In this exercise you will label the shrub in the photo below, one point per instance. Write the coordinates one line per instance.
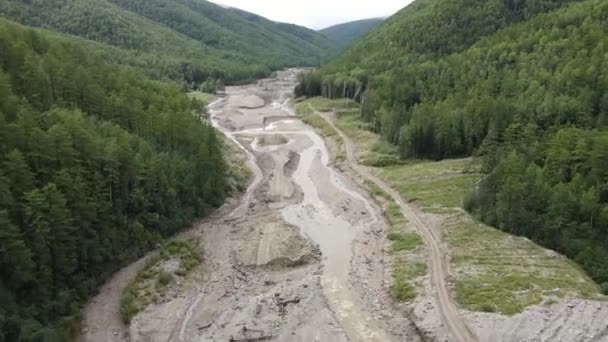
(164, 278)
(605, 288)
(128, 304)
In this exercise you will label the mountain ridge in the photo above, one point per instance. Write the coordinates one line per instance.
(192, 39)
(346, 33)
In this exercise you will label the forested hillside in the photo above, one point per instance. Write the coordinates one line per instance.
(178, 39)
(522, 84)
(345, 34)
(97, 165)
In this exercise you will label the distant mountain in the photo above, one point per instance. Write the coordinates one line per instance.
(190, 39)
(346, 33)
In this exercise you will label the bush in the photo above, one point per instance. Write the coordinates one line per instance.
(394, 236)
(487, 307)
(128, 304)
(164, 278)
(605, 288)
(405, 242)
(469, 203)
(403, 290)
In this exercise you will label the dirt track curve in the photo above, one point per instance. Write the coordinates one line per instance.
(457, 327)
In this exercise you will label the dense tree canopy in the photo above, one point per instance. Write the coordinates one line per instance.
(524, 84)
(347, 33)
(97, 164)
(178, 39)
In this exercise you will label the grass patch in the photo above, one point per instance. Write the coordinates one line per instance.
(392, 211)
(308, 115)
(151, 283)
(394, 215)
(372, 150)
(507, 273)
(435, 186)
(404, 241)
(376, 190)
(494, 271)
(323, 104)
(203, 97)
(404, 276)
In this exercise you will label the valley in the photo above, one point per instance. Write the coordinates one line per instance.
(303, 234)
(296, 257)
(185, 170)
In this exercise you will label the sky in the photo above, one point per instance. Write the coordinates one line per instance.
(318, 14)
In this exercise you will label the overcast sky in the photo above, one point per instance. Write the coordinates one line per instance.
(318, 14)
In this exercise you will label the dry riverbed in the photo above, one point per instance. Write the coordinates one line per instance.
(300, 257)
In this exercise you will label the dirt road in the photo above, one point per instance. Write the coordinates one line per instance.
(438, 265)
(300, 258)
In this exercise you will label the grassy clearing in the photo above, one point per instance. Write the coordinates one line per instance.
(438, 187)
(151, 284)
(372, 150)
(308, 115)
(326, 105)
(494, 271)
(501, 273)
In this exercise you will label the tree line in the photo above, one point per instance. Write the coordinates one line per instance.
(97, 165)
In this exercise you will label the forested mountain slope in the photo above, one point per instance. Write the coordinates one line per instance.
(97, 165)
(345, 34)
(191, 39)
(522, 84)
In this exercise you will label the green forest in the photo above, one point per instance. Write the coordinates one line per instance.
(98, 164)
(181, 40)
(522, 84)
(346, 34)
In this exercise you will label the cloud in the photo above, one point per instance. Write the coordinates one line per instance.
(318, 14)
